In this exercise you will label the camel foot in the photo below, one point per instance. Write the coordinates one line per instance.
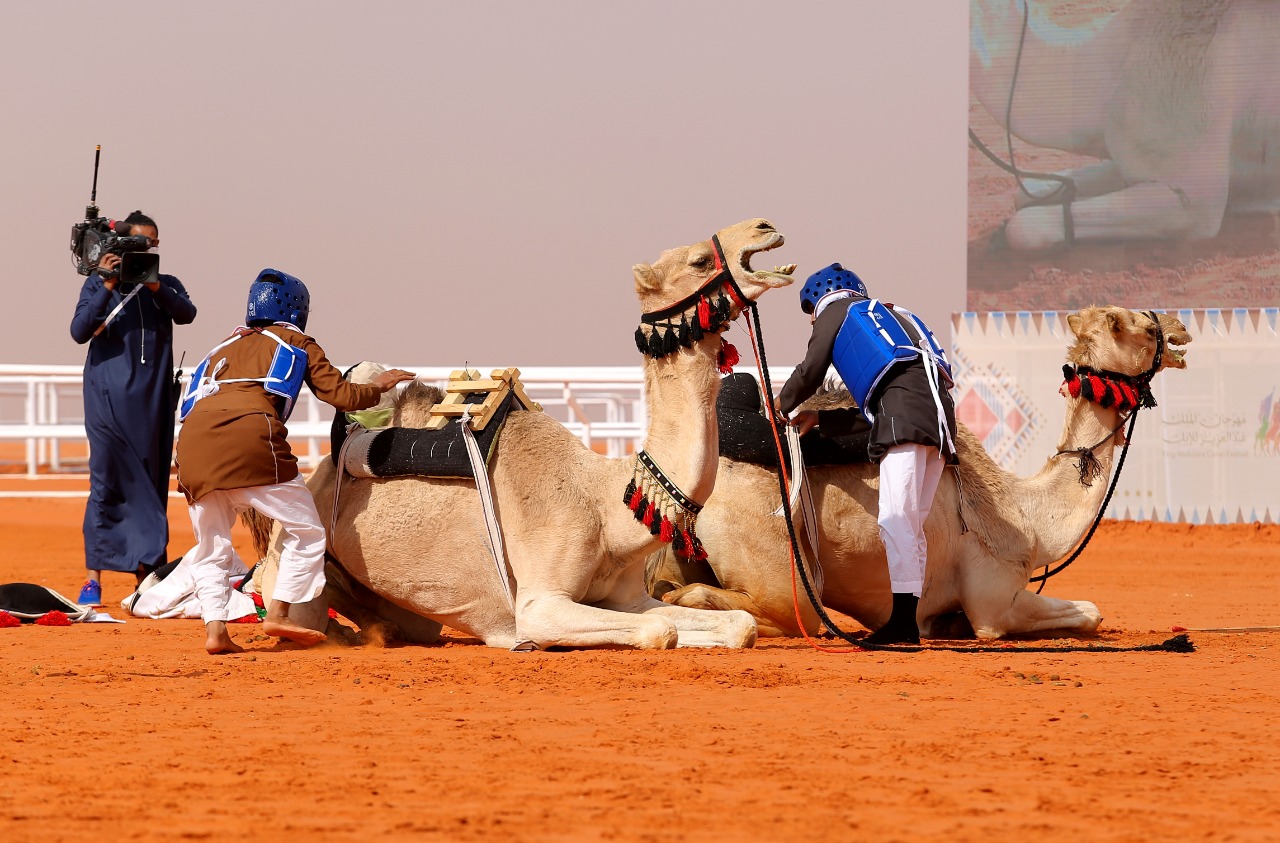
(292, 632)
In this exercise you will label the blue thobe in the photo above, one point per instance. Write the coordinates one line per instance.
(129, 416)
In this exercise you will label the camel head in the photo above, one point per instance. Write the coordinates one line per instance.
(1114, 339)
(680, 273)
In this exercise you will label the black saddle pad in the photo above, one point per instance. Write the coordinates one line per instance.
(745, 434)
(413, 452)
(29, 601)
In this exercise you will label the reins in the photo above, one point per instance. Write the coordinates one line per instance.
(1116, 387)
(1066, 191)
(1177, 644)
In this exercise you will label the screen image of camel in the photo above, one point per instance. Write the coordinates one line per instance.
(1144, 137)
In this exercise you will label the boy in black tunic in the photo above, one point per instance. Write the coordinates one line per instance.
(912, 422)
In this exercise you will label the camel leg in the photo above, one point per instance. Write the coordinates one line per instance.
(701, 596)
(1093, 180)
(554, 620)
(699, 627)
(1149, 210)
(1029, 612)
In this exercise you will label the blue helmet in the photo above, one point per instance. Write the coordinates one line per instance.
(278, 297)
(828, 280)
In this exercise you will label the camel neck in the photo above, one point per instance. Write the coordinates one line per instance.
(682, 437)
(1058, 504)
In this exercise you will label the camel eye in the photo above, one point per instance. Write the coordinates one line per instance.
(699, 261)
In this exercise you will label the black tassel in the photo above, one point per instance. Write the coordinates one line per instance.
(656, 526)
(685, 339)
(695, 330)
(631, 490)
(655, 343)
(644, 504)
(722, 308)
(669, 341)
(677, 541)
(641, 343)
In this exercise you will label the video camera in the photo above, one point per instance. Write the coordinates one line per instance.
(98, 236)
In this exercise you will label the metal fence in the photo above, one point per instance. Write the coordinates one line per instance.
(42, 407)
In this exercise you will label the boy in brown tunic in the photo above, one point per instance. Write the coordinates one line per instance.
(233, 453)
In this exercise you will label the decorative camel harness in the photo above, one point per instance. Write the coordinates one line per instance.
(1127, 394)
(656, 501)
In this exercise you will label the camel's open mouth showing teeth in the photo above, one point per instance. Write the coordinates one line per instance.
(780, 274)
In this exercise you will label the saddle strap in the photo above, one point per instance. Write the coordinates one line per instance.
(492, 528)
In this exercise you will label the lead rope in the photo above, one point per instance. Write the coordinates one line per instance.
(1177, 644)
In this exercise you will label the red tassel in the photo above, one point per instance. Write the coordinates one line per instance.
(54, 618)
(668, 531)
(729, 358)
(636, 497)
(688, 542)
(1096, 388)
(1073, 387)
(648, 517)
(704, 314)
(8, 621)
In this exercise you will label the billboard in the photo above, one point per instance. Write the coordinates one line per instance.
(1123, 152)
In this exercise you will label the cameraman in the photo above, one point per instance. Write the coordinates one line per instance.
(129, 401)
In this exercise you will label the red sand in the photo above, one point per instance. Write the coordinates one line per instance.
(132, 732)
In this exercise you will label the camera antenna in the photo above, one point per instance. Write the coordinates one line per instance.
(91, 211)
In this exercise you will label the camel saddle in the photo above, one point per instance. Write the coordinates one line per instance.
(745, 434)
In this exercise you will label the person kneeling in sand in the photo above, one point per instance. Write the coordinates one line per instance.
(233, 454)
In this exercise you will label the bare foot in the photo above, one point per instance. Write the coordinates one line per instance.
(283, 628)
(219, 640)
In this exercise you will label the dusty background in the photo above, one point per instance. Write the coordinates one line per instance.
(131, 732)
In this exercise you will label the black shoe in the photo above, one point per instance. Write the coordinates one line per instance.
(901, 627)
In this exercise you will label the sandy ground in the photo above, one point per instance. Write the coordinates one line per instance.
(131, 732)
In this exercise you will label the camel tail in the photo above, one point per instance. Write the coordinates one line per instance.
(259, 529)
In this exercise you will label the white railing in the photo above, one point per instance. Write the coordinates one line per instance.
(42, 406)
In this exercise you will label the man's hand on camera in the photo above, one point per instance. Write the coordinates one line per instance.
(109, 263)
(391, 377)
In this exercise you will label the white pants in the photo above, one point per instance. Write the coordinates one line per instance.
(909, 476)
(301, 576)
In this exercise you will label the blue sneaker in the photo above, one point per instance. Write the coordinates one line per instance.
(90, 593)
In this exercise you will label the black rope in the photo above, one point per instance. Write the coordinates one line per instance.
(1177, 644)
(1066, 191)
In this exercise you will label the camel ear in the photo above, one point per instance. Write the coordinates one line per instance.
(1073, 322)
(646, 279)
(1115, 323)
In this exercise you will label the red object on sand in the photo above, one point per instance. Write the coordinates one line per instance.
(246, 619)
(53, 618)
(8, 621)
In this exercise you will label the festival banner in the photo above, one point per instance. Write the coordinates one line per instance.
(1208, 453)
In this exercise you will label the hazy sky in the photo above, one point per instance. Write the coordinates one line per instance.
(474, 180)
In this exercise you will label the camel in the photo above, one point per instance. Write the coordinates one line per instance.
(576, 552)
(1177, 97)
(988, 531)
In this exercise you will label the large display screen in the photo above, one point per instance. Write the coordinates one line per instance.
(1145, 136)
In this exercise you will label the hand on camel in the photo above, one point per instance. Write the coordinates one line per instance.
(805, 420)
(391, 377)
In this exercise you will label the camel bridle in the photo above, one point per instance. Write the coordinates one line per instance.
(1107, 389)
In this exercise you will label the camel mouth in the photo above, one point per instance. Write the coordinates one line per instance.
(1175, 335)
(780, 276)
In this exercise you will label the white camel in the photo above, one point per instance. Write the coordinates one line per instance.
(576, 552)
(987, 533)
(1178, 97)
